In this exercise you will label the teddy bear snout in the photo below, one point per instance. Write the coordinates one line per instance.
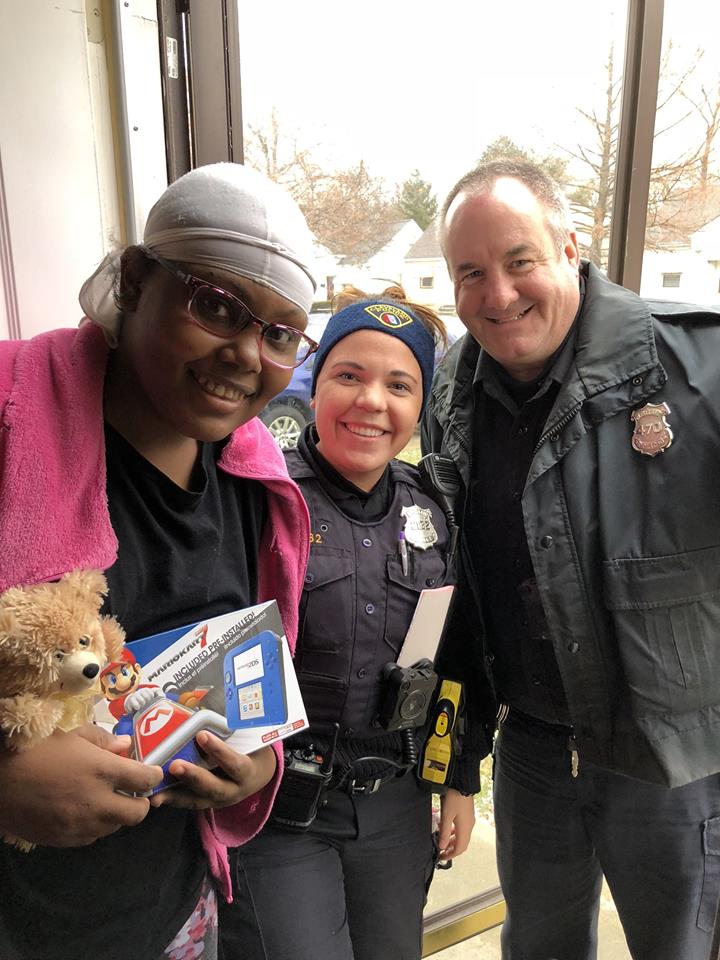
(79, 672)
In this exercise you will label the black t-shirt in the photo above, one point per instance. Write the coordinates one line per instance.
(183, 556)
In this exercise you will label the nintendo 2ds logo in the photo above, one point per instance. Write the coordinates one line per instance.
(248, 665)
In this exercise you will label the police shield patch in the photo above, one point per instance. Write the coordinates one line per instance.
(389, 315)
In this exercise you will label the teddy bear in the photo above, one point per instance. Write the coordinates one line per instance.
(53, 645)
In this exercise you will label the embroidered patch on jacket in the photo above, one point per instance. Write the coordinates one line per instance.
(389, 315)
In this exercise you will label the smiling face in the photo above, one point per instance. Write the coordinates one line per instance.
(367, 402)
(515, 294)
(119, 680)
(171, 379)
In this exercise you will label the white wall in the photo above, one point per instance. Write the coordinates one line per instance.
(387, 264)
(441, 293)
(699, 281)
(57, 147)
(50, 164)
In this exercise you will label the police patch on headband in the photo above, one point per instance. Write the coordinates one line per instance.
(389, 315)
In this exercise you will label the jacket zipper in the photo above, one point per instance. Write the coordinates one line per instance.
(574, 755)
(554, 432)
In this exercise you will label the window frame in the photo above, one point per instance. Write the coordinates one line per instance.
(641, 77)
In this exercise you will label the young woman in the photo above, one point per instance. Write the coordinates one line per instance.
(352, 885)
(146, 460)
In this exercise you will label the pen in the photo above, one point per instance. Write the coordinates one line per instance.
(402, 546)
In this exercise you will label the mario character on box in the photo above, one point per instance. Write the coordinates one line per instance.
(120, 678)
(162, 728)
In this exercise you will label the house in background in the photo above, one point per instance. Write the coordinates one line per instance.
(425, 276)
(689, 272)
(325, 271)
(382, 265)
(682, 261)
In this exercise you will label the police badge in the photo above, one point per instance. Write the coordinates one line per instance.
(419, 530)
(652, 433)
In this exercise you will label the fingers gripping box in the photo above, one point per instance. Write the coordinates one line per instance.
(231, 675)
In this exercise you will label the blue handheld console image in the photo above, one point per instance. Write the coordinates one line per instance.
(254, 683)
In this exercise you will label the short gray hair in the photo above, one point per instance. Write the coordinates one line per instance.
(548, 193)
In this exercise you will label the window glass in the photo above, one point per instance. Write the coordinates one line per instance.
(682, 239)
(369, 114)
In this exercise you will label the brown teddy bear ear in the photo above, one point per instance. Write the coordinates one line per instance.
(87, 582)
(114, 637)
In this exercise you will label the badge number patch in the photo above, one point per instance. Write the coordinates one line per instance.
(652, 433)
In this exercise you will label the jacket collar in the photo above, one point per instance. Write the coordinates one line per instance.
(615, 340)
(615, 364)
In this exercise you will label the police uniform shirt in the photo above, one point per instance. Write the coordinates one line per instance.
(362, 505)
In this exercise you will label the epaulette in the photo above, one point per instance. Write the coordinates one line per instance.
(692, 313)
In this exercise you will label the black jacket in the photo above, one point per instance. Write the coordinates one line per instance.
(625, 546)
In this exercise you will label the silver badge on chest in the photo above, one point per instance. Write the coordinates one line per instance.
(419, 530)
(652, 433)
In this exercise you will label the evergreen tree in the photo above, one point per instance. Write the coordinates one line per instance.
(506, 149)
(416, 200)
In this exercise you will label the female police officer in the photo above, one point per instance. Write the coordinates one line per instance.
(351, 885)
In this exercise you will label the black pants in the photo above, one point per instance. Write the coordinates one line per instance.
(352, 887)
(557, 834)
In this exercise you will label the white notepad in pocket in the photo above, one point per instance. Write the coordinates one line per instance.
(423, 637)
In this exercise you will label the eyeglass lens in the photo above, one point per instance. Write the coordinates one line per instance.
(225, 316)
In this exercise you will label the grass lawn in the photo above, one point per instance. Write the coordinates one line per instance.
(411, 453)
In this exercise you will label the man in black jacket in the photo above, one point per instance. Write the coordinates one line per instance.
(584, 422)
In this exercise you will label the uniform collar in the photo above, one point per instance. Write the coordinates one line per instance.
(612, 341)
(350, 499)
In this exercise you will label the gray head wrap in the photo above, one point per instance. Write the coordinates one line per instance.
(223, 216)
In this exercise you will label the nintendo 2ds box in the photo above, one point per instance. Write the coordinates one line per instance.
(231, 675)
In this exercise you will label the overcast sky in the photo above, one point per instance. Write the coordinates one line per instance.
(404, 84)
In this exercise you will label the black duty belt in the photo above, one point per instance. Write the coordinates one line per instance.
(372, 785)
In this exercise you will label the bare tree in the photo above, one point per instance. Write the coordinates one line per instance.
(348, 210)
(673, 209)
(592, 199)
(276, 154)
(707, 106)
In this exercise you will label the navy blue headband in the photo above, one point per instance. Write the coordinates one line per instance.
(383, 316)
